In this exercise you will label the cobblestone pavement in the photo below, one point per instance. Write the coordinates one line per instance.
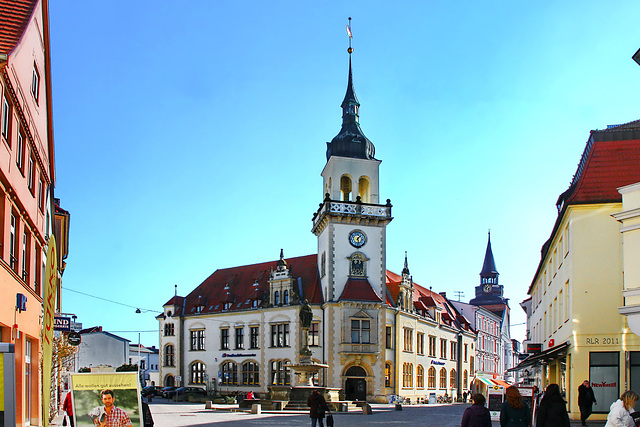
(167, 413)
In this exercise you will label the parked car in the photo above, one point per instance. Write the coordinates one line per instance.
(168, 390)
(151, 390)
(185, 392)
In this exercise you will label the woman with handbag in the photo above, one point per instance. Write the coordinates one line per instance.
(317, 408)
(67, 406)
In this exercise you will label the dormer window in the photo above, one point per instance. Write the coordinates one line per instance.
(226, 306)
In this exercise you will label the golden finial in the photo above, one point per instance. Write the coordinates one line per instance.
(350, 50)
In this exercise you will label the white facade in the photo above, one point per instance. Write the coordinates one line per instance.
(102, 349)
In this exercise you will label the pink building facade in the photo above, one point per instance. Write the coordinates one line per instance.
(26, 191)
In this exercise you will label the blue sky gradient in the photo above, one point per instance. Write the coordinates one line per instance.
(190, 136)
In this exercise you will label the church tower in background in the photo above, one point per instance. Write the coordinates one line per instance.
(489, 293)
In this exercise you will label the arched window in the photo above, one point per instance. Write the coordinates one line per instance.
(345, 188)
(431, 377)
(452, 379)
(229, 373)
(387, 374)
(443, 378)
(285, 297)
(250, 373)
(169, 355)
(197, 371)
(420, 377)
(357, 267)
(363, 189)
(276, 298)
(471, 365)
(407, 375)
(465, 379)
(280, 374)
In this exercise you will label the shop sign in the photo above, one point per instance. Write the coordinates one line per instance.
(437, 362)
(61, 323)
(238, 355)
(534, 347)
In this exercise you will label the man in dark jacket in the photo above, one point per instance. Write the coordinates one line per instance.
(476, 415)
(586, 399)
(317, 408)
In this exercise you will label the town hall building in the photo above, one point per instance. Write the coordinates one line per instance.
(380, 333)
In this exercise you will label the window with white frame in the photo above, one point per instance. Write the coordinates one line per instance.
(360, 331)
(280, 335)
(35, 83)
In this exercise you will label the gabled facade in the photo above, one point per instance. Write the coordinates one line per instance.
(380, 333)
(101, 348)
(578, 286)
(27, 178)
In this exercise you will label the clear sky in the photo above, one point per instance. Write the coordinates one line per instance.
(190, 136)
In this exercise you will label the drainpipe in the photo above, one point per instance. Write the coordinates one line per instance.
(396, 353)
(459, 367)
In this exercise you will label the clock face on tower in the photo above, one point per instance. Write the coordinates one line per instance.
(487, 288)
(357, 239)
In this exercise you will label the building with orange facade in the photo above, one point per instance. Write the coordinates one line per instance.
(27, 213)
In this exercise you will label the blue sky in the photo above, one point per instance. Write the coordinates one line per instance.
(190, 136)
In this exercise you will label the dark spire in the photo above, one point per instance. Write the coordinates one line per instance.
(350, 142)
(405, 270)
(489, 270)
(281, 262)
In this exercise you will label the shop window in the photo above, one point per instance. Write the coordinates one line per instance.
(604, 375)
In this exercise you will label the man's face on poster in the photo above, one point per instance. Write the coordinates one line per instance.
(107, 399)
(586, 383)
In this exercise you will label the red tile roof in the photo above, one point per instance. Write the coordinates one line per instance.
(359, 290)
(236, 285)
(14, 17)
(610, 160)
(424, 298)
(176, 300)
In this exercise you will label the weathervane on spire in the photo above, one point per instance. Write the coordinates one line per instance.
(350, 36)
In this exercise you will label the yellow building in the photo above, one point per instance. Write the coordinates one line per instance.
(577, 288)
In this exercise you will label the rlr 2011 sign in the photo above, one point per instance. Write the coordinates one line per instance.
(62, 323)
(602, 340)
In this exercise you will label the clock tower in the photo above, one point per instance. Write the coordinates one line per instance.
(350, 223)
(489, 293)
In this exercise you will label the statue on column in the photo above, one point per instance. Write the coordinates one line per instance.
(306, 315)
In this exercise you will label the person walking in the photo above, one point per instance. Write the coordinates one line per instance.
(476, 415)
(586, 399)
(553, 409)
(620, 410)
(318, 407)
(514, 412)
(67, 406)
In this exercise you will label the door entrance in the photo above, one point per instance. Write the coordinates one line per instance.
(355, 387)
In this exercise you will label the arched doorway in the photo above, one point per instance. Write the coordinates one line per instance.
(169, 381)
(355, 387)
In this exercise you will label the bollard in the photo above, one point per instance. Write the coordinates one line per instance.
(208, 404)
(398, 407)
(256, 408)
(366, 409)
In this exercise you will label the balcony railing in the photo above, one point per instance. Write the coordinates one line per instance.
(335, 207)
